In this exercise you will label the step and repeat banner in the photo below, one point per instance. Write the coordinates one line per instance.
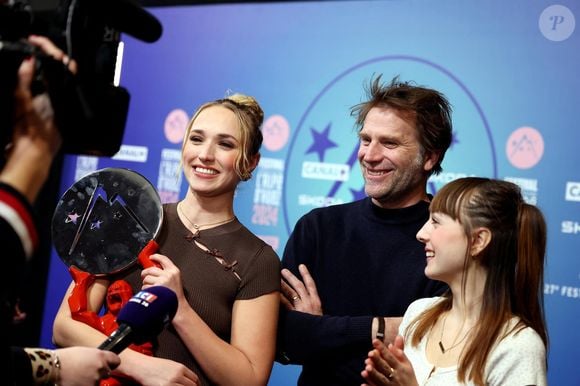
(510, 70)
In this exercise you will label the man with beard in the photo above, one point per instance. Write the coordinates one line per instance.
(351, 270)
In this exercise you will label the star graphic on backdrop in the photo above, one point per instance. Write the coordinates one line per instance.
(96, 224)
(358, 194)
(72, 217)
(431, 188)
(321, 142)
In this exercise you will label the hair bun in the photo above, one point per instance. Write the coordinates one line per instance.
(251, 105)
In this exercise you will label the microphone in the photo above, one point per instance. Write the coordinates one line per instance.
(143, 317)
(129, 17)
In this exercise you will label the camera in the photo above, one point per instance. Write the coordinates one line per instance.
(90, 110)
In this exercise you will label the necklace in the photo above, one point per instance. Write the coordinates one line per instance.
(454, 344)
(197, 227)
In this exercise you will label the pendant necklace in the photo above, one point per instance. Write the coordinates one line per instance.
(197, 227)
(210, 252)
(454, 344)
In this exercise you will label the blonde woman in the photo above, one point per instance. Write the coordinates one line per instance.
(226, 279)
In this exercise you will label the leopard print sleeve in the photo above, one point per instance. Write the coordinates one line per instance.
(45, 366)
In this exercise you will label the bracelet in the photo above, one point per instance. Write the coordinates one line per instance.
(56, 363)
(381, 329)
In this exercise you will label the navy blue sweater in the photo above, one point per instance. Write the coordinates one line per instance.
(366, 262)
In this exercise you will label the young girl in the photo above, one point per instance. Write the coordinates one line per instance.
(226, 279)
(488, 245)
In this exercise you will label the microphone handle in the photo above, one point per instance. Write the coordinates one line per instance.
(119, 340)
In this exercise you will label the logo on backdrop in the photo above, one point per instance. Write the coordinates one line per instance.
(276, 131)
(557, 23)
(269, 178)
(443, 178)
(175, 125)
(321, 162)
(169, 177)
(525, 147)
(528, 186)
(85, 164)
(572, 191)
(325, 171)
(562, 290)
(268, 191)
(132, 153)
(570, 227)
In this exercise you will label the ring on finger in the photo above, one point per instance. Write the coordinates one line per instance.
(391, 374)
(295, 297)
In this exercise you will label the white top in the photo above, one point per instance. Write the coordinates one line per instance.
(518, 360)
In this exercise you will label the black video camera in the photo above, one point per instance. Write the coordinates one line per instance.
(90, 110)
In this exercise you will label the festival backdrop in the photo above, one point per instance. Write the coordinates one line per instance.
(509, 68)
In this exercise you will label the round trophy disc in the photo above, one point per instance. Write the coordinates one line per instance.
(104, 220)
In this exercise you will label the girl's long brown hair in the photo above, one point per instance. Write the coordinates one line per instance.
(514, 259)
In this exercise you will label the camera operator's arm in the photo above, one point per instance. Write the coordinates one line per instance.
(35, 139)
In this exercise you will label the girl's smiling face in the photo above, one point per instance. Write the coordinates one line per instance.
(445, 247)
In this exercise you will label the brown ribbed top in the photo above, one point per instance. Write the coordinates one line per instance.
(211, 286)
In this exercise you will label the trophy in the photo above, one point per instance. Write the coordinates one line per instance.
(103, 224)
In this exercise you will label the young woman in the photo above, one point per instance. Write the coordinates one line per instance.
(488, 245)
(226, 279)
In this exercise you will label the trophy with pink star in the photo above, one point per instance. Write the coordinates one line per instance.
(103, 224)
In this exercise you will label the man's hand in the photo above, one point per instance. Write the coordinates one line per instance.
(300, 296)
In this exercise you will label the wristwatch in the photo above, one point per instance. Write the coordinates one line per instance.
(381, 329)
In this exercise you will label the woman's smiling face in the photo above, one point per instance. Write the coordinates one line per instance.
(210, 152)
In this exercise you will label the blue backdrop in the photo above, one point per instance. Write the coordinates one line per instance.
(510, 70)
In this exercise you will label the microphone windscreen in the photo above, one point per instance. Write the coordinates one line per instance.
(129, 17)
(148, 311)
